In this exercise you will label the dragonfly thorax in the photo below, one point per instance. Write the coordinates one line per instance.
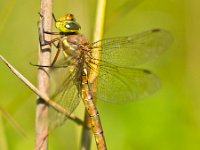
(77, 39)
(75, 46)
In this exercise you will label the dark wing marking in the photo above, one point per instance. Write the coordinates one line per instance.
(133, 50)
(121, 85)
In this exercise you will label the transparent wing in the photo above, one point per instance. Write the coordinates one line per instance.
(65, 91)
(121, 85)
(118, 81)
(133, 50)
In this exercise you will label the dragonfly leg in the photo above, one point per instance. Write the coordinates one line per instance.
(54, 18)
(50, 32)
(55, 57)
(53, 42)
(57, 53)
(40, 32)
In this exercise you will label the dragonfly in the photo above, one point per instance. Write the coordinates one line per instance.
(117, 80)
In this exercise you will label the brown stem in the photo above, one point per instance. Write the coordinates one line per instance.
(43, 79)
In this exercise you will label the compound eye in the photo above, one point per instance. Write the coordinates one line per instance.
(72, 26)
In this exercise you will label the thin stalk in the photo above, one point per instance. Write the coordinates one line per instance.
(100, 19)
(46, 99)
(98, 34)
(3, 141)
(12, 122)
(43, 80)
(86, 134)
(43, 96)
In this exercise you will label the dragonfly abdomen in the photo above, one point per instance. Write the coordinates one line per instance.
(92, 112)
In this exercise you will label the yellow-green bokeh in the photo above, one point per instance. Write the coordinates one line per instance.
(167, 120)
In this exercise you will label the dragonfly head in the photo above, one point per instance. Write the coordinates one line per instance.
(68, 24)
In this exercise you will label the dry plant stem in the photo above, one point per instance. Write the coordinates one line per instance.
(43, 80)
(98, 34)
(42, 95)
(86, 134)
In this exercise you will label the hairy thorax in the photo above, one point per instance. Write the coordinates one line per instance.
(77, 48)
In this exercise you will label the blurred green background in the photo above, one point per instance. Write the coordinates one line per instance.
(167, 120)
